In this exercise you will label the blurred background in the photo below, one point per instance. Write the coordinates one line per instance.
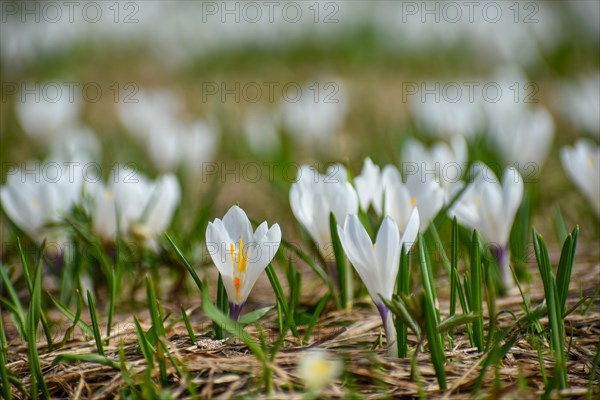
(233, 96)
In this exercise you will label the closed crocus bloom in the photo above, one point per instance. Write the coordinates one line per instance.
(401, 198)
(47, 117)
(369, 187)
(240, 254)
(522, 136)
(444, 162)
(145, 208)
(377, 263)
(490, 208)
(314, 196)
(582, 164)
(34, 200)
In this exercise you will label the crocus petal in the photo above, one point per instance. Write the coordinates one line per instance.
(411, 231)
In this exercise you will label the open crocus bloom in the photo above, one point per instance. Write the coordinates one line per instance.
(377, 263)
(491, 208)
(240, 254)
(314, 196)
(582, 164)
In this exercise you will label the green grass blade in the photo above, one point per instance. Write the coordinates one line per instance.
(340, 262)
(185, 263)
(434, 339)
(559, 226)
(554, 313)
(33, 318)
(188, 326)
(87, 358)
(95, 324)
(476, 302)
(74, 318)
(565, 267)
(145, 347)
(4, 362)
(16, 307)
(315, 315)
(222, 304)
(403, 288)
(254, 316)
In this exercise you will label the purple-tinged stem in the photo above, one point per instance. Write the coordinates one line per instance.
(502, 258)
(235, 310)
(390, 330)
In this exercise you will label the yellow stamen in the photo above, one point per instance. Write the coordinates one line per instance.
(242, 258)
(413, 201)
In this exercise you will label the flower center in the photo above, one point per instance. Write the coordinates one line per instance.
(239, 267)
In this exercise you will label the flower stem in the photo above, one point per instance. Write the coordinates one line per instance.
(502, 258)
(235, 310)
(390, 330)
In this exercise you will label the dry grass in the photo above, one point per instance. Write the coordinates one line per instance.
(225, 369)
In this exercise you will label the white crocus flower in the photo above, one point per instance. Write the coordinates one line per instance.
(145, 207)
(46, 113)
(490, 208)
(317, 368)
(377, 263)
(39, 195)
(240, 254)
(580, 102)
(401, 198)
(522, 136)
(582, 164)
(369, 187)
(314, 196)
(390, 196)
(444, 162)
(315, 117)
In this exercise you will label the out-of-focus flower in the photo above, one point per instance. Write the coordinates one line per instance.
(40, 194)
(240, 254)
(153, 108)
(443, 118)
(261, 129)
(175, 144)
(314, 196)
(522, 136)
(582, 164)
(377, 263)
(47, 113)
(155, 121)
(401, 198)
(490, 208)
(317, 115)
(369, 187)
(317, 369)
(444, 162)
(145, 208)
(521, 133)
(580, 102)
(390, 196)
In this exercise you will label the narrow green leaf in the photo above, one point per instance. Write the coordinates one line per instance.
(254, 316)
(4, 371)
(431, 312)
(554, 313)
(188, 326)
(476, 292)
(145, 347)
(565, 267)
(340, 262)
(74, 318)
(315, 315)
(87, 358)
(95, 325)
